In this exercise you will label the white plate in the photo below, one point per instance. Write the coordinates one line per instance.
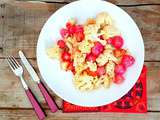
(61, 82)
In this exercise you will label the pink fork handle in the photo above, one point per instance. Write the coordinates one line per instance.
(38, 109)
(51, 103)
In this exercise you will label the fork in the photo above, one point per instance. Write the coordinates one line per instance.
(18, 71)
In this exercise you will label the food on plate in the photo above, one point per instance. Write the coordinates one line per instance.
(93, 52)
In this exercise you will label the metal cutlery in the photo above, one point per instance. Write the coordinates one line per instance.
(50, 101)
(18, 71)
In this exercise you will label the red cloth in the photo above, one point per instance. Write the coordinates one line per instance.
(135, 101)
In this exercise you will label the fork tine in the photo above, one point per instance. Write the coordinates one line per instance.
(15, 61)
(10, 64)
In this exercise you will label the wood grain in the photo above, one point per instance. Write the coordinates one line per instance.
(118, 2)
(148, 20)
(22, 26)
(12, 95)
(29, 114)
(1, 25)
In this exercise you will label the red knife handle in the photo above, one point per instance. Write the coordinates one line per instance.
(50, 101)
(37, 108)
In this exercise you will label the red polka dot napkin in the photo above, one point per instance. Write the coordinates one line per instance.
(135, 101)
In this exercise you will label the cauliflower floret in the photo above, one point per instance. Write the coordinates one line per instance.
(103, 18)
(54, 52)
(94, 38)
(105, 57)
(110, 31)
(85, 46)
(91, 29)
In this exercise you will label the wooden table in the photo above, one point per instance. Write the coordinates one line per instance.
(20, 24)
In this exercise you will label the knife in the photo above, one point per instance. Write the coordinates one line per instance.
(50, 101)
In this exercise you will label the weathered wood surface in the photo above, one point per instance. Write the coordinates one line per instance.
(13, 96)
(30, 115)
(20, 24)
(21, 27)
(118, 2)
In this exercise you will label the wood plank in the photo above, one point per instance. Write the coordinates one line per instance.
(118, 2)
(18, 26)
(12, 95)
(29, 114)
(22, 27)
(1, 25)
(149, 27)
(153, 86)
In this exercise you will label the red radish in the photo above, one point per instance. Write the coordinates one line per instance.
(69, 25)
(118, 79)
(119, 69)
(97, 49)
(78, 28)
(72, 29)
(101, 70)
(79, 36)
(127, 60)
(61, 44)
(117, 41)
(99, 46)
(66, 56)
(90, 57)
(64, 32)
(78, 32)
